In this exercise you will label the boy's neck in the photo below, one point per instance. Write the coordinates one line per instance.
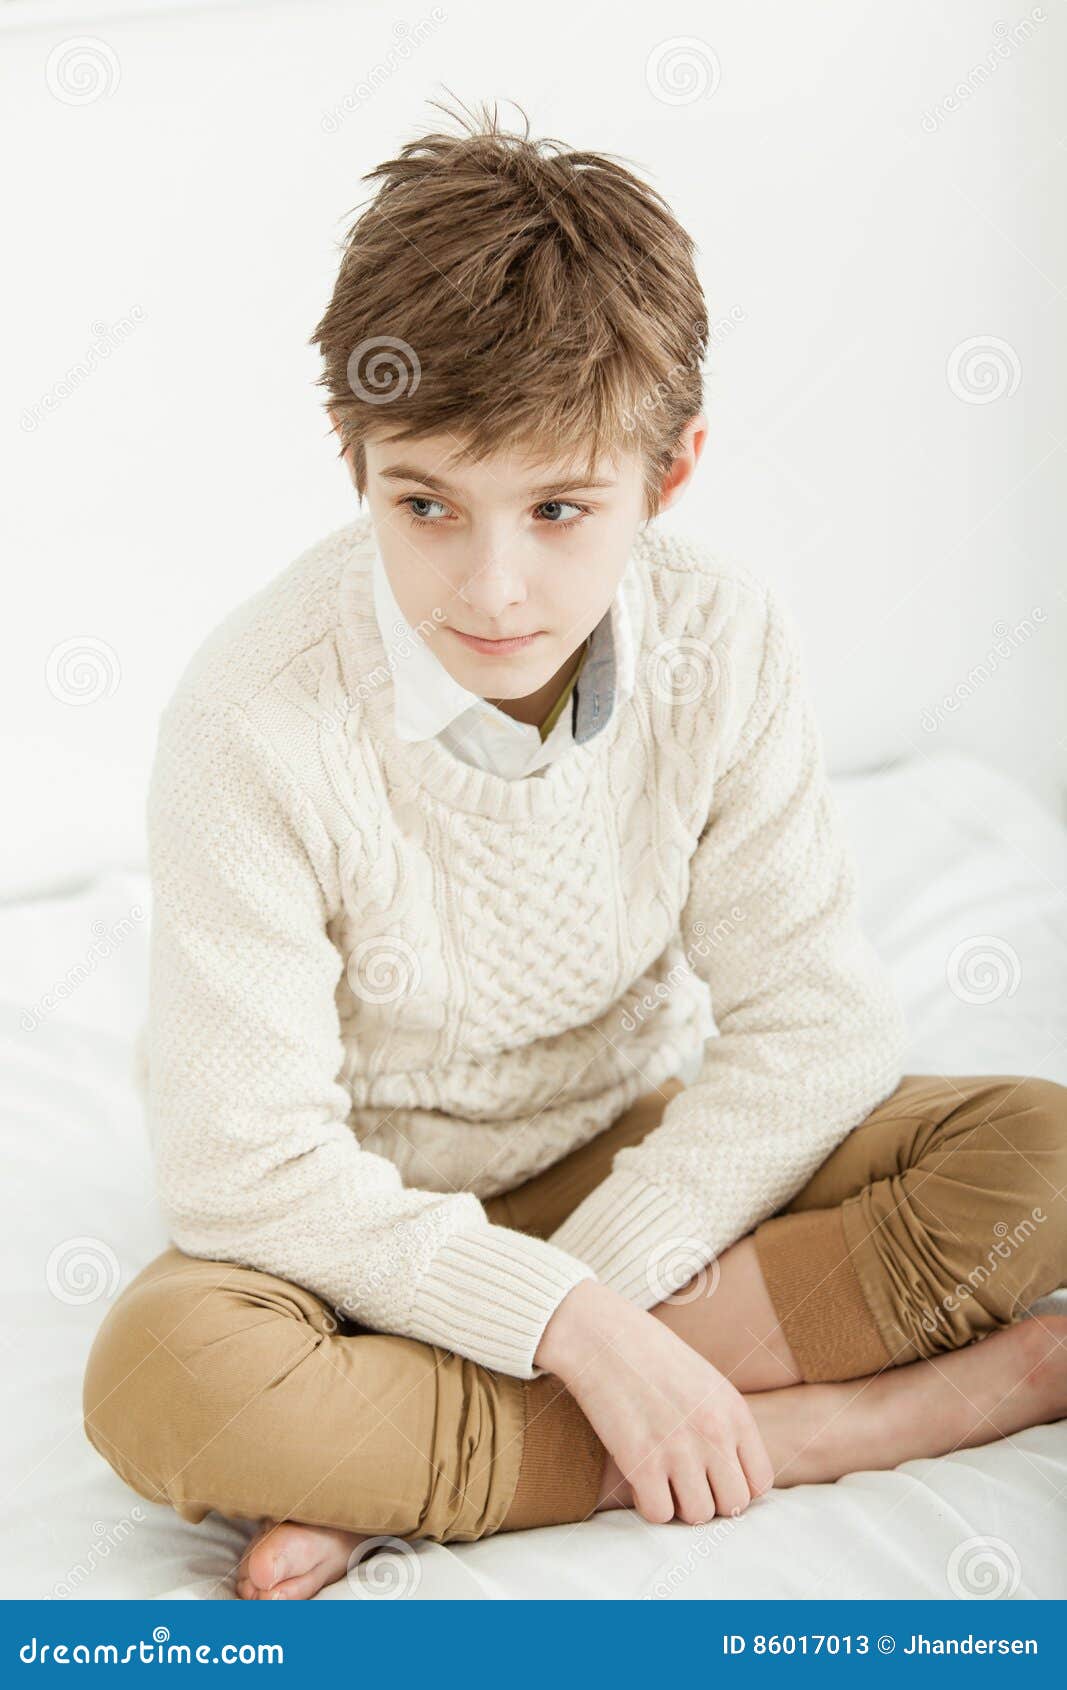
(537, 705)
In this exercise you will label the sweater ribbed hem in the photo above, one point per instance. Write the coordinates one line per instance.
(636, 1237)
(490, 1293)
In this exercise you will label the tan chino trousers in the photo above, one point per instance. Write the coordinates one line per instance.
(213, 1386)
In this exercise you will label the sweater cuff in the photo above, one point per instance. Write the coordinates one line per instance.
(489, 1294)
(638, 1238)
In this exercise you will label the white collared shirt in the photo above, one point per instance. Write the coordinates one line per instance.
(430, 702)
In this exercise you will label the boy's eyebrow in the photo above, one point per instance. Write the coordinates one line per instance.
(411, 472)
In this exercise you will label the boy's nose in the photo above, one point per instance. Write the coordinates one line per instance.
(493, 586)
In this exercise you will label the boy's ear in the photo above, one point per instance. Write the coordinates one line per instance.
(683, 465)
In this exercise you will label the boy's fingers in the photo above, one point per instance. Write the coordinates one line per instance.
(756, 1464)
(694, 1502)
(730, 1487)
(653, 1499)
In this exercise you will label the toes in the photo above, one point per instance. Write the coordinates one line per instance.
(253, 1560)
(299, 1589)
(267, 1561)
(292, 1562)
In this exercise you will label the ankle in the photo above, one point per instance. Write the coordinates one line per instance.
(1042, 1353)
(797, 1423)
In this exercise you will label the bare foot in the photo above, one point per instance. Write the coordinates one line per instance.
(1015, 1378)
(289, 1561)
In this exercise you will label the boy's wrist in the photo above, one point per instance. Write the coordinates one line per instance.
(580, 1323)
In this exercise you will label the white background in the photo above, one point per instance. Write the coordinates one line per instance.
(861, 233)
(854, 232)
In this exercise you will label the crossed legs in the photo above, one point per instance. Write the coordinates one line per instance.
(848, 1321)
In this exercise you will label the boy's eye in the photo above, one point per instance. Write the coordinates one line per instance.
(552, 510)
(421, 507)
(556, 513)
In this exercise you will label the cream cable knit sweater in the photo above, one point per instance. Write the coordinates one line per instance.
(385, 984)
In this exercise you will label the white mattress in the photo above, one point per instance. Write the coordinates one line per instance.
(953, 859)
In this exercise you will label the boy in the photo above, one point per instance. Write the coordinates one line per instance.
(453, 826)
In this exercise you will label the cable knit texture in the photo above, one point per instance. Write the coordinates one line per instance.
(386, 985)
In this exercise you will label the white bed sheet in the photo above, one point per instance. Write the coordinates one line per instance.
(954, 859)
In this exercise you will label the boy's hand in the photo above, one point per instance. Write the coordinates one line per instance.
(680, 1433)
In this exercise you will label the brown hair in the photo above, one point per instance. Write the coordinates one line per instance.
(515, 292)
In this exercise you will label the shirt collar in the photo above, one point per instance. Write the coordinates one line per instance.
(428, 699)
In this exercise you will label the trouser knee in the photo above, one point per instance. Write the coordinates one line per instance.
(172, 1371)
(987, 1212)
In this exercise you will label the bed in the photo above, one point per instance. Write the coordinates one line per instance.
(963, 878)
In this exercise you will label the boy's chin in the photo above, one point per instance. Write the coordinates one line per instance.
(492, 680)
(504, 677)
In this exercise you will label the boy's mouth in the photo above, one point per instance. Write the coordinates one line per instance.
(495, 648)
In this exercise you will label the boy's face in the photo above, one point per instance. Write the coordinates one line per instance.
(511, 547)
